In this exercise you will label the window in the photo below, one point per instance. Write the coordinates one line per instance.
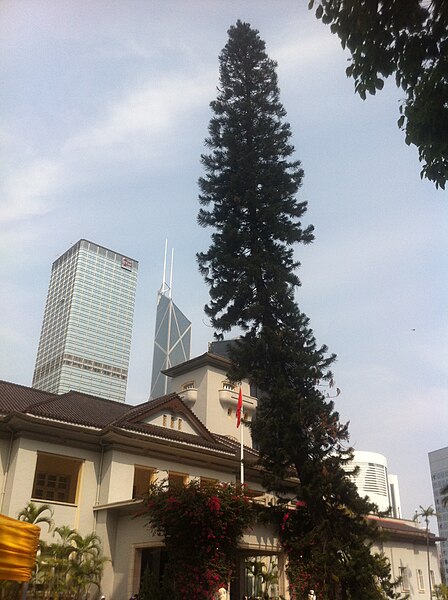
(420, 581)
(56, 478)
(404, 579)
(433, 581)
(176, 479)
(207, 482)
(143, 476)
(179, 424)
(164, 420)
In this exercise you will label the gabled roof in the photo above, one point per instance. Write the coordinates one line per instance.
(137, 416)
(76, 408)
(72, 407)
(404, 529)
(15, 397)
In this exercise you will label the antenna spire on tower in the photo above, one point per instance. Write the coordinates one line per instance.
(165, 288)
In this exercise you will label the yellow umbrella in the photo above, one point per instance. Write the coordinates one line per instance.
(18, 547)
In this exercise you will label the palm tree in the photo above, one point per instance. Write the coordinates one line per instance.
(426, 514)
(70, 565)
(34, 513)
(86, 562)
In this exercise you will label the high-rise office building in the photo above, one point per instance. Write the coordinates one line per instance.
(374, 481)
(86, 333)
(438, 464)
(172, 339)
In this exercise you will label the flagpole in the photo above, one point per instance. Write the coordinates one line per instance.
(239, 411)
(242, 455)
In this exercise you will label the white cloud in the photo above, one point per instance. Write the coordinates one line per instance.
(139, 122)
(146, 112)
(305, 52)
(28, 191)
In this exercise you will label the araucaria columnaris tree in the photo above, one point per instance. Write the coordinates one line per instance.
(248, 195)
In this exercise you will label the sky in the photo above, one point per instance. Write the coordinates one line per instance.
(104, 108)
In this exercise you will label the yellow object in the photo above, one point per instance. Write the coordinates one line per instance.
(18, 547)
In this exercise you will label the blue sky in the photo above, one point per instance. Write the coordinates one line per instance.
(104, 107)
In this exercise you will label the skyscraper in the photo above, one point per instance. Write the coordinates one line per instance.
(86, 333)
(172, 339)
(374, 480)
(438, 464)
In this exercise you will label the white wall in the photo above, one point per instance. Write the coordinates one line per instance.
(413, 557)
(213, 401)
(21, 478)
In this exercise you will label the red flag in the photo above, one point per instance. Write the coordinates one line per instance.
(238, 408)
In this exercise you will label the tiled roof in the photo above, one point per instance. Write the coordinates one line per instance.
(81, 409)
(140, 410)
(175, 435)
(16, 398)
(72, 407)
(90, 411)
(139, 414)
(234, 444)
(401, 527)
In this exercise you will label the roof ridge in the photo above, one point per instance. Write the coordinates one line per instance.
(154, 404)
(138, 409)
(233, 442)
(96, 398)
(174, 435)
(27, 387)
(65, 396)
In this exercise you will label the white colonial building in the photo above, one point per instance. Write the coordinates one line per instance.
(92, 458)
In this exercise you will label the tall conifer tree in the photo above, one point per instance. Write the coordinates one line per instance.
(248, 195)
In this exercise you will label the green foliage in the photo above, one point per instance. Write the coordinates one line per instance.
(147, 586)
(249, 176)
(201, 527)
(264, 571)
(441, 591)
(334, 559)
(151, 589)
(408, 38)
(36, 514)
(10, 590)
(69, 566)
(249, 189)
(426, 513)
(66, 568)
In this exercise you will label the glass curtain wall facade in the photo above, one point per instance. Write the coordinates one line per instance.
(172, 342)
(438, 464)
(86, 333)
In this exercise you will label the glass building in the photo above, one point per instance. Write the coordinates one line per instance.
(172, 342)
(438, 464)
(172, 338)
(86, 333)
